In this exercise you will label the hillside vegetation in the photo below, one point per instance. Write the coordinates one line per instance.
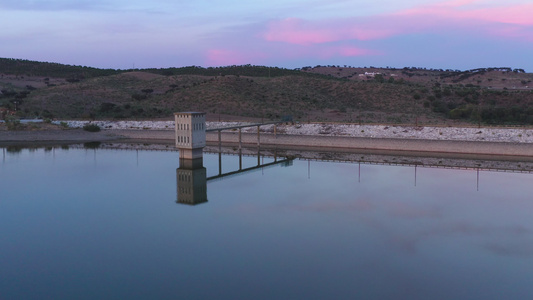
(322, 93)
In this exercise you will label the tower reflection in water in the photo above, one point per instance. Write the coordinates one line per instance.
(192, 182)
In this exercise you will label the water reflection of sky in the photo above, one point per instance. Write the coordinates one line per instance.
(105, 224)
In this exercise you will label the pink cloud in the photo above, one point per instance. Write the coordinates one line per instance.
(354, 51)
(347, 51)
(297, 31)
(224, 57)
(463, 10)
(301, 32)
(324, 51)
(519, 15)
(513, 31)
(438, 8)
(296, 38)
(513, 21)
(457, 3)
(465, 15)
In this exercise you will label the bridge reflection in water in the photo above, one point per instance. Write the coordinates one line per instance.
(192, 177)
(476, 164)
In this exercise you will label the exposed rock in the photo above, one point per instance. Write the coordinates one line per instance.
(517, 135)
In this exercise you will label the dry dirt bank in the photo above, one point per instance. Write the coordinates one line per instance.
(486, 141)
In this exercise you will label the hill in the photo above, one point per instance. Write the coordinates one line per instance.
(321, 93)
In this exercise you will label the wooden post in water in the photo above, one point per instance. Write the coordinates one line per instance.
(240, 160)
(240, 139)
(219, 141)
(219, 163)
(258, 139)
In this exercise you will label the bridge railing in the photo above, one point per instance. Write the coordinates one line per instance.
(240, 127)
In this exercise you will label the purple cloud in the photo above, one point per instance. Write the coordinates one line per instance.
(441, 16)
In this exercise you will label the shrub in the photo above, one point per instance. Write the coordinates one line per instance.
(92, 145)
(463, 112)
(107, 106)
(440, 107)
(91, 128)
(139, 97)
(47, 115)
(12, 123)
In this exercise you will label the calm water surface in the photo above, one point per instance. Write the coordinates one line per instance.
(105, 224)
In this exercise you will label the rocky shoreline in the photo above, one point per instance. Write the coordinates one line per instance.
(318, 136)
(482, 134)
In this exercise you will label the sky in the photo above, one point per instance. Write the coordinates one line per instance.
(124, 34)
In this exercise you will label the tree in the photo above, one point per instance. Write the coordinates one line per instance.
(17, 102)
(379, 78)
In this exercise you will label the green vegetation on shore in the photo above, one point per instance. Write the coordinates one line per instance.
(322, 93)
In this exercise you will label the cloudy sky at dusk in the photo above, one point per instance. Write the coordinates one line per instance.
(456, 34)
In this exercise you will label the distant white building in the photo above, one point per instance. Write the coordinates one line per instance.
(371, 74)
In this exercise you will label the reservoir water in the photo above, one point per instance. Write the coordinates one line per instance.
(82, 223)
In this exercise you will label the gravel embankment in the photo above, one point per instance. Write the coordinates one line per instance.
(486, 134)
(453, 140)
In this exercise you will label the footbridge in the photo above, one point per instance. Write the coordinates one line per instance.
(191, 129)
(240, 127)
